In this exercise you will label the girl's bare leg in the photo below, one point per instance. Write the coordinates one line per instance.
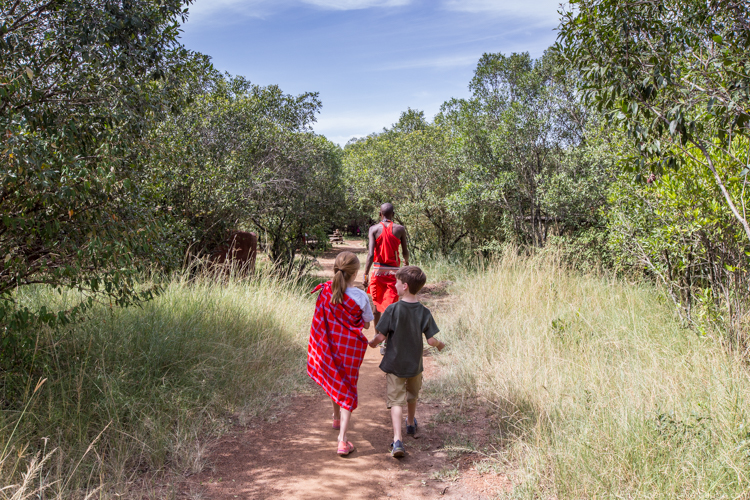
(346, 415)
(336, 410)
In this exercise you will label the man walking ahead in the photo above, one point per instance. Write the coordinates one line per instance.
(382, 256)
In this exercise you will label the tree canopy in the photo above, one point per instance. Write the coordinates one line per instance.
(674, 74)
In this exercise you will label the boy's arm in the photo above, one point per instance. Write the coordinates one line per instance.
(366, 325)
(377, 339)
(436, 343)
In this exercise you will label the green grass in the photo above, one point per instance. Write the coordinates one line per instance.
(594, 388)
(140, 392)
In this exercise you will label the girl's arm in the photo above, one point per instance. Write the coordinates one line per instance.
(366, 325)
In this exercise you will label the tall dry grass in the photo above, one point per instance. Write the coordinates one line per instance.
(140, 392)
(594, 389)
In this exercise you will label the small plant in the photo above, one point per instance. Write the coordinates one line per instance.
(489, 466)
(446, 474)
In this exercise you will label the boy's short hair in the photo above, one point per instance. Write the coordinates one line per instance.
(412, 276)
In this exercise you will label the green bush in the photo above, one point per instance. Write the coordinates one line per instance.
(677, 229)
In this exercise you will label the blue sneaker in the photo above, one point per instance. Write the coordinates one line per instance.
(397, 449)
(411, 430)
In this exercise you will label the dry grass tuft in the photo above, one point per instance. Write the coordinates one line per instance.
(141, 392)
(595, 389)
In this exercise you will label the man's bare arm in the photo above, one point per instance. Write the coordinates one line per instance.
(404, 248)
(370, 253)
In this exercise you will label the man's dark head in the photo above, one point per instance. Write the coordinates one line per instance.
(386, 210)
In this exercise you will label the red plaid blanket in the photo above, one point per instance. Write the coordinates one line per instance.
(336, 347)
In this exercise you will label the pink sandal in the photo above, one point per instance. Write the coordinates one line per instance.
(345, 448)
(337, 423)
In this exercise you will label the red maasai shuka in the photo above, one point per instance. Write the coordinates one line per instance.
(336, 347)
(383, 291)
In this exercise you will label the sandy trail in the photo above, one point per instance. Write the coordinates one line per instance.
(294, 457)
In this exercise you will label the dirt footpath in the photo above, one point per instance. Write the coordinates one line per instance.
(294, 457)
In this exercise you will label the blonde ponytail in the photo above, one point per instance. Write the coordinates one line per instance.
(345, 266)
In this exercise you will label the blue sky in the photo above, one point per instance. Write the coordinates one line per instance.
(369, 59)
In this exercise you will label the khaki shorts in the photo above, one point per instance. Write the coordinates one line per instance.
(399, 391)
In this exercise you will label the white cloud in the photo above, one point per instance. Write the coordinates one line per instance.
(261, 8)
(446, 62)
(356, 4)
(540, 9)
(341, 127)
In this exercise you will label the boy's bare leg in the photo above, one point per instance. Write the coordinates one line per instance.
(336, 410)
(397, 413)
(345, 416)
(411, 410)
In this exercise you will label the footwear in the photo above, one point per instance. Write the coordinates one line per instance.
(345, 447)
(411, 430)
(397, 449)
(336, 423)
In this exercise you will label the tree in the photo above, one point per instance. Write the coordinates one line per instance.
(300, 196)
(418, 167)
(80, 83)
(241, 155)
(520, 130)
(674, 74)
(677, 229)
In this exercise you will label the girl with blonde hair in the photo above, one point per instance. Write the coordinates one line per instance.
(337, 346)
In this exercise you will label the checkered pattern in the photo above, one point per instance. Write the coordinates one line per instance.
(336, 347)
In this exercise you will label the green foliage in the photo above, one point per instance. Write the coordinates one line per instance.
(675, 75)
(520, 161)
(240, 155)
(80, 84)
(678, 230)
(540, 162)
(301, 197)
(418, 167)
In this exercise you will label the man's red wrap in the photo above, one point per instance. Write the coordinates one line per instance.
(383, 291)
(336, 347)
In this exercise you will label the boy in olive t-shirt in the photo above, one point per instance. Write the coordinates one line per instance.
(403, 324)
